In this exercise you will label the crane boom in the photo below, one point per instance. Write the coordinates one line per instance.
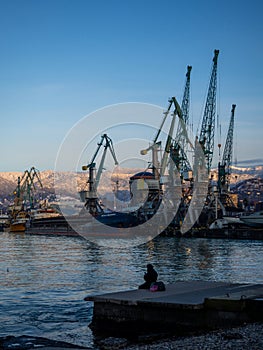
(228, 150)
(224, 168)
(163, 121)
(26, 184)
(206, 137)
(24, 193)
(179, 146)
(92, 199)
(167, 146)
(154, 143)
(170, 145)
(186, 96)
(108, 145)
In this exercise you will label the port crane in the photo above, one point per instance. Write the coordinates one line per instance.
(186, 97)
(206, 138)
(26, 186)
(155, 193)
(170, 158)
(91, 199)
(24, 200)
(156, 144)
(224, 167)
(202, 199)
(155, 190)
(170, 145)
(179, 145)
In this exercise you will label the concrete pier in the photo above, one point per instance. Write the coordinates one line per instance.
(184, 306)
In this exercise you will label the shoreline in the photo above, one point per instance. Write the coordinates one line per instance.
(245, 337)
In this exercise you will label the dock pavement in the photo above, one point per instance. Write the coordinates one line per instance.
(183, 305)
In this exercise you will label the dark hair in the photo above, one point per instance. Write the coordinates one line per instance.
(149, 266)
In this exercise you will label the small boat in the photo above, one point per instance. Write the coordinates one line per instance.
(226, 222)
(4, 221)
(19, 223)
(253, 220)
(18, 226)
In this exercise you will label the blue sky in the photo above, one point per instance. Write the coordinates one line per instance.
(61, 60)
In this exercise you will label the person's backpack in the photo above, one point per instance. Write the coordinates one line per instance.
(157, 287)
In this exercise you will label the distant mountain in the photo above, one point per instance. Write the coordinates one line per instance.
(8, 182)
(69, 184)
(65, 183)
(250, 162)
(255, 171)
(241, 173)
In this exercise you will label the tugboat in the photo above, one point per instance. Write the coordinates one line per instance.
(17, 217)
(18, 225)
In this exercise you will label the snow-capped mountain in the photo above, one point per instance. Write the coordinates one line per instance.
(69, 183)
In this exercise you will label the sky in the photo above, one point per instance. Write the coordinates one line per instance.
(61, 60)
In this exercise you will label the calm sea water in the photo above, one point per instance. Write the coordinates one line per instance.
(44, 279)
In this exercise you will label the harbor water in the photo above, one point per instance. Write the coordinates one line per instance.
(44, 279)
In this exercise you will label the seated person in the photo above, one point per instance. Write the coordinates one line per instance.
(150, 276)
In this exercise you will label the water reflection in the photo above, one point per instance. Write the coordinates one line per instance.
(219, 260)
(44, 280)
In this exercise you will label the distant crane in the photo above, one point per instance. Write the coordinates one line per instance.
(224, 168)
(24, 192)
(206, 138)
(91, 196)
(24, 197)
